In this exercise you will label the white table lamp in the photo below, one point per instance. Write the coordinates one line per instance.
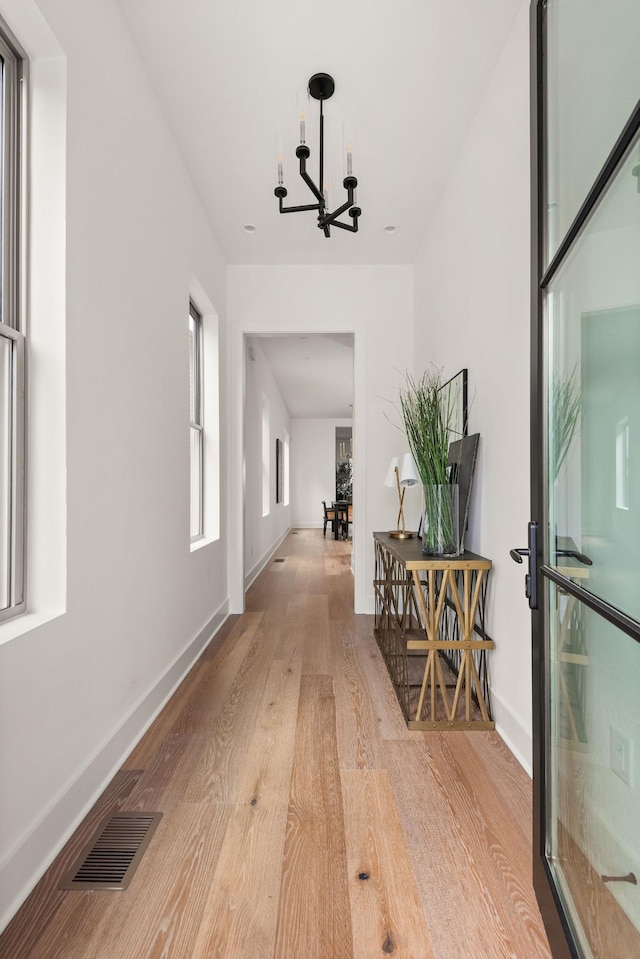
(401, 477)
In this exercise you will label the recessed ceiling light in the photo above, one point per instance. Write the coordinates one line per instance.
(249, 228)
(390, 229)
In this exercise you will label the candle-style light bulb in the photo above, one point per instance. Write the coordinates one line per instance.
(280, 171)
(302, 140)
(349, 160)
(325, 194)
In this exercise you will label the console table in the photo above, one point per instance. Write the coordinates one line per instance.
(429, 622)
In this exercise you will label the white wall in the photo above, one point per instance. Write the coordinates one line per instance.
(313, 468)
(77, 690)
(376, 305)
(262, 533)
(472, 309)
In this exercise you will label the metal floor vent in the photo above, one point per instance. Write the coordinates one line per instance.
(280, 560)
(111, 857)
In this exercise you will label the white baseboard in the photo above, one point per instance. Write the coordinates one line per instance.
(253, 574)
(25, 864)
(510, 728)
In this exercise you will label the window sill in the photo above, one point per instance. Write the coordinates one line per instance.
(25, 623)
(203, 541)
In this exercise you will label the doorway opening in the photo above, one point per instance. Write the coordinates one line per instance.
(309, 379)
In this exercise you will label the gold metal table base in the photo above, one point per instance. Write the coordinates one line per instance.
(434, 608)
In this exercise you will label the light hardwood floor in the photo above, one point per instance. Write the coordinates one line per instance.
(302, 820)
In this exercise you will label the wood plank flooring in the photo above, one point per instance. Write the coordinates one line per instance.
(302, 819)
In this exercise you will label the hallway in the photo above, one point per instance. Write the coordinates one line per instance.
(301, 819)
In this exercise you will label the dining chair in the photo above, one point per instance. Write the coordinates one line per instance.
(346, 520)
(329, 517)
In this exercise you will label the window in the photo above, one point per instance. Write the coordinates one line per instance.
(622, 463)
(204, 418)
(196, 424)
(12, 339)
(286, 468)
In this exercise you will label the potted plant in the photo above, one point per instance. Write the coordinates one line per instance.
(428, 414)
(344, 480)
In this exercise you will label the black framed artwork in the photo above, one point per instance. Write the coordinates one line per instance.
(278, 471)
(462, 462)
(458, 393)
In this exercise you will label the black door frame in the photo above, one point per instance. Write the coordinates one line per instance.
(557, 926)
(545, 889)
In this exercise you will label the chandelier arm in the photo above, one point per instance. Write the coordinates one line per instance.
(299, 209)
(303, 153)
(281, 192)
(350, 183)
(346, 226)
(332, 217)
(314, 189)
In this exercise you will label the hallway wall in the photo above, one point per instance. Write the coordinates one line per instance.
(313, 468)
(81, 677)
(472, 309)
(262, 533)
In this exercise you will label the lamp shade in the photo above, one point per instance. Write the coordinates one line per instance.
(391, 474)
(408, 472)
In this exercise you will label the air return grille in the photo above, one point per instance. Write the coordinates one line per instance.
(112, 856)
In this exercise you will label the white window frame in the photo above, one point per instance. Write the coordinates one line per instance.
(286, 468)
(196, 421)
(12, 331)
(622, 463)
(208, 370)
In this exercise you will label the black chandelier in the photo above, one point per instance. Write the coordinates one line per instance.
(321, 87)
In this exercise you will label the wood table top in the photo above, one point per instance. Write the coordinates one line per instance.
(409, 553)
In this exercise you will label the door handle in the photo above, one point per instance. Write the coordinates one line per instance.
(531, 552)
(575, 555)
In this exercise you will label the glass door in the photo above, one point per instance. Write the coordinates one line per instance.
(586, 475)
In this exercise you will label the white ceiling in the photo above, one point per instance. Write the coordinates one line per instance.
(231, 76)
(314, 373)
